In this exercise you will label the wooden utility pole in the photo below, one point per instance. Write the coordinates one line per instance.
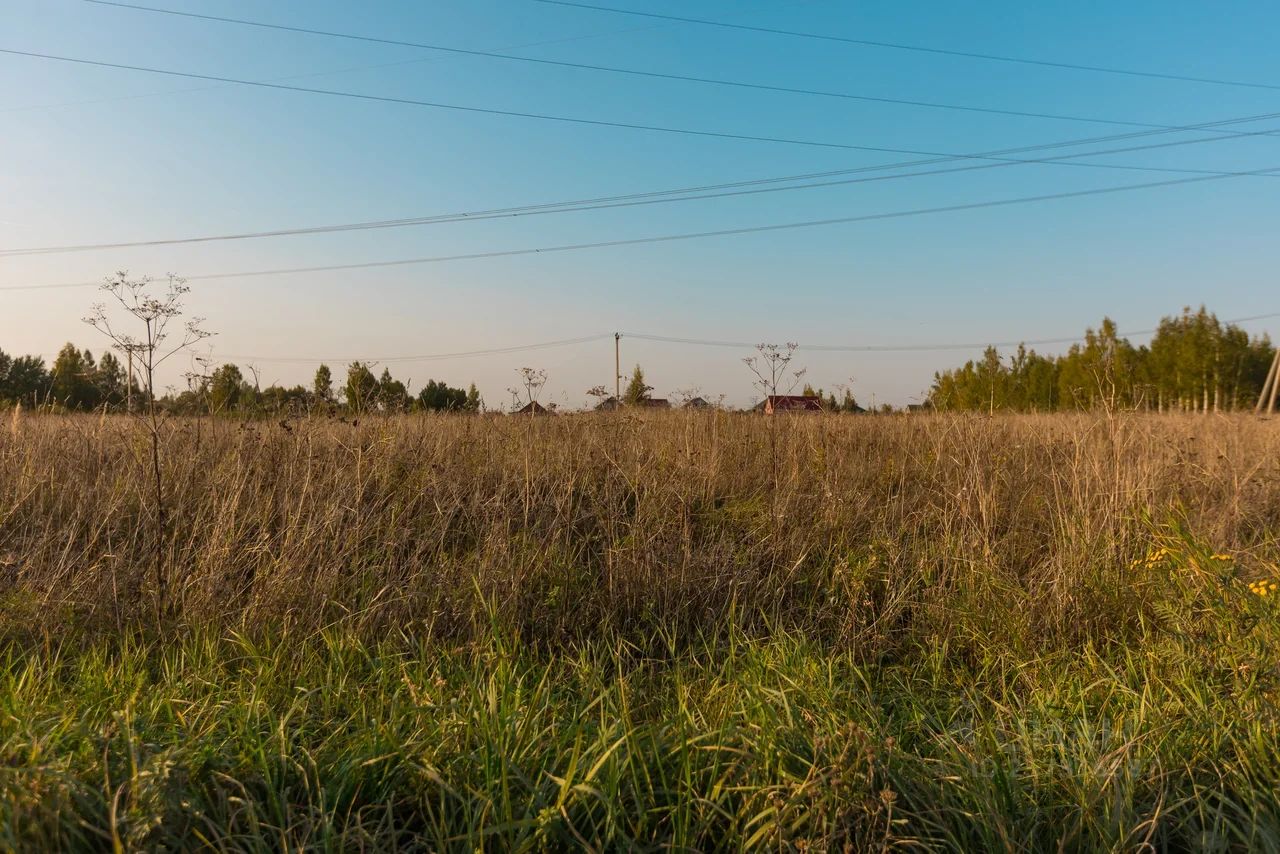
(617, 369)
(1267, 397)
(128, 389)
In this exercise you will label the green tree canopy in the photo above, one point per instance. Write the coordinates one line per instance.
(361, 389)
(439, 397)
(225, 389)
(473, 403)
(322, 385)
(26, 380)
(392, 394)
(636, 391)
(1194, 362)
(111, 380)
(74, 378)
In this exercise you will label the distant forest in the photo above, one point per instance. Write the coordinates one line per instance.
(1193, 363)
(76, 382)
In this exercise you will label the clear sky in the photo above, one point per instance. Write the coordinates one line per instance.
(90, 154)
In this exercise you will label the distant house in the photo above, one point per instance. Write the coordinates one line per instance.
(534, 408)
(776, 403)
(611, 403)
(920, 407)
(696, 403)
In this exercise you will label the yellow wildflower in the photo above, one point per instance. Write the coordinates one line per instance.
(1263, 587)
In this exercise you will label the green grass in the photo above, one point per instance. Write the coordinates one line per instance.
(331, 743)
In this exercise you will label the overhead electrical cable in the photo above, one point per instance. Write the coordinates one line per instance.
(414, 102)
(904, 348)
(704, 342)
(636, 72)
(310, 74)
(964, 54)
(440, 105)
(711, 191)
(430, 357)
(666, 238)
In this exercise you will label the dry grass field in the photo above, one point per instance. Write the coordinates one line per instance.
(708, 631)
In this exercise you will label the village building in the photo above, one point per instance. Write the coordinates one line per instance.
(609, 404)
(776, 403)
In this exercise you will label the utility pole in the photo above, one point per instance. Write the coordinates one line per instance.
(128, 389)
(1267, 397)
(617, 370)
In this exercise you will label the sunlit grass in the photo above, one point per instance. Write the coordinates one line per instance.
(331, 743)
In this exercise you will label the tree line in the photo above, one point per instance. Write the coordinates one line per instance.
(78, 382)
(1194, 363)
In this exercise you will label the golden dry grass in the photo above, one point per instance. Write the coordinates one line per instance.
(567, 525)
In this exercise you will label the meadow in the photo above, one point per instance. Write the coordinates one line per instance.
(700, 631)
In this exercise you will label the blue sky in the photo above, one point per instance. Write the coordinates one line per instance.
(98, 155)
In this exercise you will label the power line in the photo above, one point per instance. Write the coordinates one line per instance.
(666, 238)
(713, 191)
(904, 348)
(668, 339)
(582, 66)
(499, 112)
(1101, 69)
(431, 357)
(313, 74)
(413, 102)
